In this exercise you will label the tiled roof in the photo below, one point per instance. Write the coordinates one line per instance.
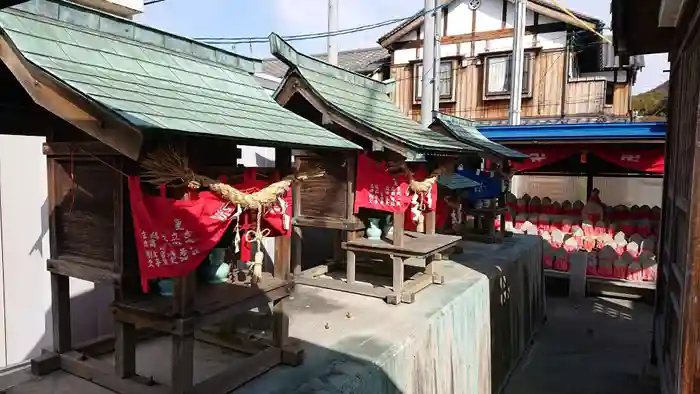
(456, 182)
(363, 100)
(357, 60)
(152, 79)
(465, 131)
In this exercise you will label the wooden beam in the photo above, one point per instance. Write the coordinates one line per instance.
(69, 105)
(486, 35)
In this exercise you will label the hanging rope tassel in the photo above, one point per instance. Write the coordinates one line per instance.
(257, 235)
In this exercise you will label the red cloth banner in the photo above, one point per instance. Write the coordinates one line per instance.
(174, 236)
(377, 189)
(644, 160)
(277, 220)
(543, 155)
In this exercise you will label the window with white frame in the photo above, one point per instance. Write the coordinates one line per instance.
(497, 75)
(447, 72)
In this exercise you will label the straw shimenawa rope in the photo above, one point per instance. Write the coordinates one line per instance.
(167, 166)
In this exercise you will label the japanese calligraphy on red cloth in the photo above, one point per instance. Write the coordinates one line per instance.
(377, 189)
(646, 160)
(543, 155)
(174, 236)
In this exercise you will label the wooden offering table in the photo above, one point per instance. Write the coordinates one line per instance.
(415, 246)
(484, 229)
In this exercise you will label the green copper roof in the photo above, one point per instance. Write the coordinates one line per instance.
(363, 100)
(155, 80)
(465, 131)
(456, 182)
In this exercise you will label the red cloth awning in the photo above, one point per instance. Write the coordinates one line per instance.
(644, 160)
(650, 160)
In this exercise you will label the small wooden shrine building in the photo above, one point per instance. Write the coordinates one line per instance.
(359, 109)
(106, 92)
(499, 159)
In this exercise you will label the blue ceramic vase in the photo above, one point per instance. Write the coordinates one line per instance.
(214, 269)
(373, 231)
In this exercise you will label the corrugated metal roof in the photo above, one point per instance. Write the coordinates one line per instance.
(554, 120)
(466, 131)
(153, 79)
(361, 61)
(363, 100)
(577, 132)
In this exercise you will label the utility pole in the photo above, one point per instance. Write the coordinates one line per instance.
(332, 27)
(426, 100)
(516, 66)
(436, 65)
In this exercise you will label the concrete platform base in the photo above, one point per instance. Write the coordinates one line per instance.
(442, 343)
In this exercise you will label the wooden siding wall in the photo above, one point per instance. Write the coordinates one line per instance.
(584, 95)
(677, 313)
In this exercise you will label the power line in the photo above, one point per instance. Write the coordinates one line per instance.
(309, 36)
(149, 2)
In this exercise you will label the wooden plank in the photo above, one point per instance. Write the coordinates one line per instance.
(414, 244)
(397, 281)
(485, 35)
(45, 363)
(214, 304)
(60, 310)
(79, 149)
(339, 285)
(238, 374)
(399, 234)
(78, 270)
(100, 373)
(125, 349)
(182, 363)
(329, 223)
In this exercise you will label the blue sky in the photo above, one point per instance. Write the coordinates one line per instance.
(257, 18)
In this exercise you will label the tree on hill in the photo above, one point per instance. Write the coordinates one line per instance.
(651, 103)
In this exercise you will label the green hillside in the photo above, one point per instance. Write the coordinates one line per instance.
(651, 103)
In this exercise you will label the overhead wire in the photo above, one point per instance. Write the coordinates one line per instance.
(309, 36)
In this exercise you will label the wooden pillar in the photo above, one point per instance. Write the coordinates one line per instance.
(430, 222)
(398, 228)
(60, 311)
(182, 357)
(283, 245)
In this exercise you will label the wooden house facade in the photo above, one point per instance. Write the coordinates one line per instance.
(569, 72)
(646, 27)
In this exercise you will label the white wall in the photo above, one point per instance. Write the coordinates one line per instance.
(25, 288)
(488, 18)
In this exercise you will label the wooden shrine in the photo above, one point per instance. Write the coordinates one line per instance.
(495, 161)
(359, 109)
(97, 135)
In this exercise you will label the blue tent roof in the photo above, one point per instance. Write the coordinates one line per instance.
(590, 132)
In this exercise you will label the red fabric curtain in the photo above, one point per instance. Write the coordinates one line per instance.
(377, 189)
(645, 160)
(174, 236)
(543, 155)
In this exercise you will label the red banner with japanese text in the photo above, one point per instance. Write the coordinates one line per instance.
(643, 160)
(543, 155)
(174, 236)
(377, 189)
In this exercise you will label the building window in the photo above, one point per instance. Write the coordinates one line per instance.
(447, 72)
(497, 76)
(609, 93)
